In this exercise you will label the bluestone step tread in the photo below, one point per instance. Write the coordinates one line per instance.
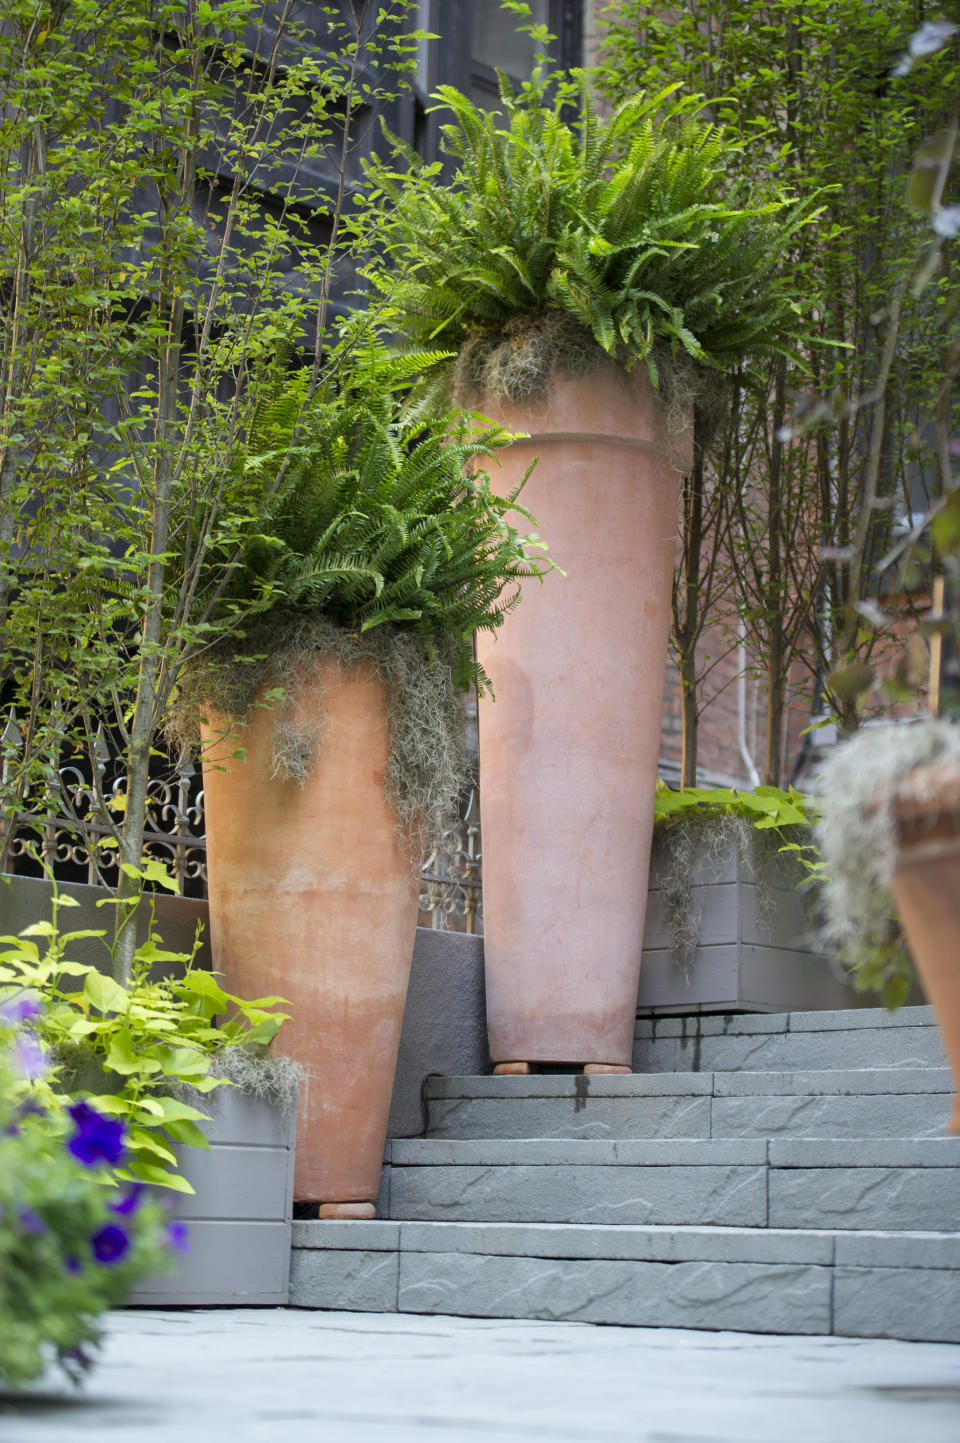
(864, 1248)
(872, 1080)
(576, 1152)
(709, 1278)
(751, 1023)
(774, 1173)
(674, 1152)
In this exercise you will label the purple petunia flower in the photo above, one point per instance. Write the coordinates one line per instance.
(73, 1264)
(130, 1200)
(31, 1223)
(20, 1009)
(29, 1058)
(110, 1243)
(177, 1237)
(97, 1138)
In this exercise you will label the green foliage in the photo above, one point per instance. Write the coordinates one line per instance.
(365, 513)
(66, 1254)
(633, 225)
(819, 93)
(162, 230)
(765, 808)
(129, 1048)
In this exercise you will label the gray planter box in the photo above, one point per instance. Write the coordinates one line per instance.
(754, 953)
(239, 1219)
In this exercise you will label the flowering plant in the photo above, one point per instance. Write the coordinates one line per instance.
(128, 1049)
(72, 1242)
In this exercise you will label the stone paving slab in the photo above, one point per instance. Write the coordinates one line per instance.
(894, 1198)
(854, 1038)
(574, 1086)
(765, 1299)
(848, 1103)
(898, 1303)
(849, 1081)
(902, 1152)
(577, 1152)
(710, 1195)
(280, 1376)
(899, 1250)
(611, 1242)
(625, 1116)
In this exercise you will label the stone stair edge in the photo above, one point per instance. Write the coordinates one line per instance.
(934, 1251)
(732, 1024)
(870, 1152)
(713, 1082)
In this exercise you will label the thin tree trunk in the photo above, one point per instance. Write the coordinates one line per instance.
(773, 601)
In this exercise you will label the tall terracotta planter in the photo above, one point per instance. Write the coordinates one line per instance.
(313, 896)
(569, 748)
(926, 889)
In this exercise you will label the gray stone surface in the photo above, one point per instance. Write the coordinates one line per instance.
(638, 1244)
(902, 1152)
(858, 1038)
(794, 1051)
(705, 1294)
(846, 1116)
(606, 1117)
(925, 1198)
(844, 1082)
(573, 1087)
(898, 1303)
(576, 1152)
(302, 1377)
(840, 1103)
(734, 1196)
(564, 1240)
(353, 1279)
(370, 1235)
(898, 1250)
(444, 1024)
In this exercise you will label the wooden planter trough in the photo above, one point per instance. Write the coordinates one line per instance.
(754, 950)
(239, 1229)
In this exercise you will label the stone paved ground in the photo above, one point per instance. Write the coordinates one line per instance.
(248, 1376)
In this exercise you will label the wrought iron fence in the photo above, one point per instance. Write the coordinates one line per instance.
(65, 834)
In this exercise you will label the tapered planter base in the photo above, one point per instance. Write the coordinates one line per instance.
(313, 897)
(355, 1210)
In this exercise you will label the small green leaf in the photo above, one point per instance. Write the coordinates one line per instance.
(105, 994)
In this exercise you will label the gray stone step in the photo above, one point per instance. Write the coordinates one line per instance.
(789, 1041)
(849, 1283)
(873, 1102)
(734, 1182)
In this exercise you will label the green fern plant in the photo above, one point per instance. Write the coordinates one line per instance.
(629, 225)
(373, 536)
(368, 513)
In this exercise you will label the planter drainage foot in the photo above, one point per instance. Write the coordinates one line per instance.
(347, 1210)
(592, 1069)
(512, 1069)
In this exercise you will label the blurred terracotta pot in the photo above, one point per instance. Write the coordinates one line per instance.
(313, 897)
(926, 889)
(569, 748)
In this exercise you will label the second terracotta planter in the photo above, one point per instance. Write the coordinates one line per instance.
(313, 897)
(926, 889)
(569, 748)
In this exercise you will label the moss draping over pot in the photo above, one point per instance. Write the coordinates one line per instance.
(705, 837)
(427, 769)
(856, 790)
(519, 362)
